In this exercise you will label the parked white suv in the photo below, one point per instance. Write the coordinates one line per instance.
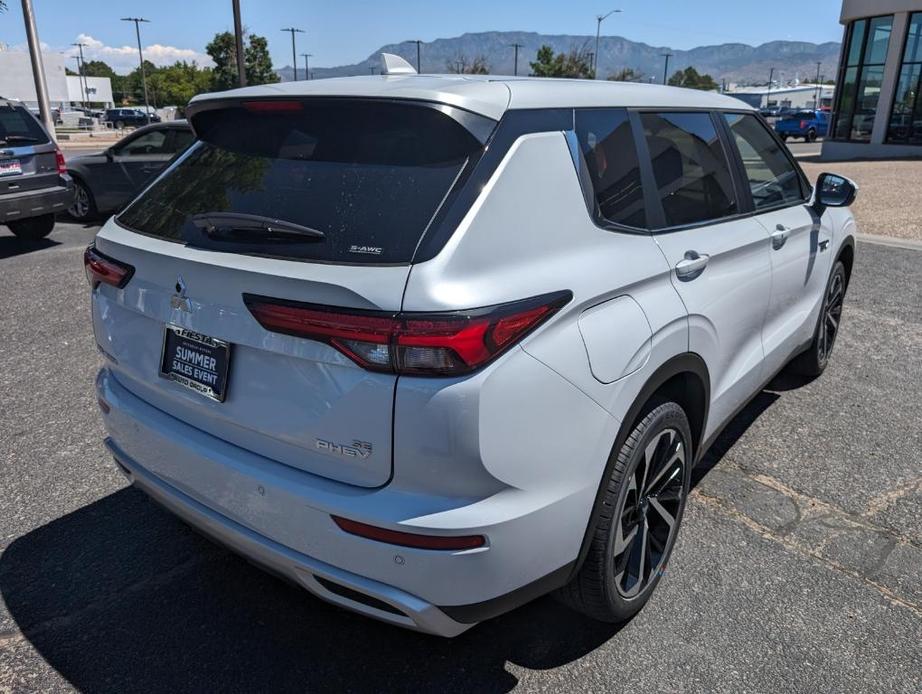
(432, 346)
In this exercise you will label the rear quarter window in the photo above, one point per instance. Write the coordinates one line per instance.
(368, 175)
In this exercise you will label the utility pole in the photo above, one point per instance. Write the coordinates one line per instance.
(294, 53)
(137, 30)
(768, 95)
(418, 53)
(599, 18)
(516, 47)
(667, 56)
(38, 68)
(238, 44)
(816, 97)
(307, 66)
(84, 87)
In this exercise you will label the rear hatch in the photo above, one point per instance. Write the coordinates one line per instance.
(27, 155)
(348, 187)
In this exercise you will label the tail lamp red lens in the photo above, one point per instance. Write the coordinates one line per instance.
(426, 344)
(396, 537)
(101, 268)
(59, 160)
(803, 124)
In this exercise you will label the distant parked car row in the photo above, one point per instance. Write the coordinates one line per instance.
(128, 117)
(106, 181)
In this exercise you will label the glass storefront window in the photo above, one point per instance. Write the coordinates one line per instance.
(906, 114)
(861, 77)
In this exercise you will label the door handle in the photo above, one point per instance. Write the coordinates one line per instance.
(824, 244)
(691, 266)
(780, 236)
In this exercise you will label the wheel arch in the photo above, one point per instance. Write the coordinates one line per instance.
(847, 256)
(683, 379)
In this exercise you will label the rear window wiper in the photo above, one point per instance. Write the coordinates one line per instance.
(237, 226)
(7, 139)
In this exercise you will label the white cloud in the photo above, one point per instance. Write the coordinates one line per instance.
(124, 59)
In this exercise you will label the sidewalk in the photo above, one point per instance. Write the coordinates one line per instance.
(889, 201)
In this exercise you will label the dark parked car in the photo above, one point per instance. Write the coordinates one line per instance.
(135, 117)
(806, 124)
(33, 177)
(108, 180)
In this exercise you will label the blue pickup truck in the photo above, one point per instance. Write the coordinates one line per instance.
(806, 124)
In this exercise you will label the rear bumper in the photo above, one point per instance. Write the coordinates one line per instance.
(280, 517)
(381, 601)
(34, 203)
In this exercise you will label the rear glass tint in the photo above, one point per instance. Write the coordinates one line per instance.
(19, 127)
(368, 175)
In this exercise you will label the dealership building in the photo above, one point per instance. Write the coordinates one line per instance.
(64, 91)
(878, 110)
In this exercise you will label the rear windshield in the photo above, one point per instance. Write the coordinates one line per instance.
(19, 127)
(368, 175)
(801, 115)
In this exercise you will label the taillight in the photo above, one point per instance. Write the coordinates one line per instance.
(425, 344)
(102, 268)
(59, 160)
(803, 125)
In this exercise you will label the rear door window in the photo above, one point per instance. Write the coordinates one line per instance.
(772, 177)
(369, 175)
(690, 167)
(610, 157)
(19, 127)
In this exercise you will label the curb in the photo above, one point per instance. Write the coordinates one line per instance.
(910, 244)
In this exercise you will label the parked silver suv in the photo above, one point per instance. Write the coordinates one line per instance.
(432, 346)
(34, 184)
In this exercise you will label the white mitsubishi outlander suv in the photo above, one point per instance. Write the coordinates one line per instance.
(433, 346)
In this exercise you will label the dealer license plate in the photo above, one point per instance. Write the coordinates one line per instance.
(197, 361)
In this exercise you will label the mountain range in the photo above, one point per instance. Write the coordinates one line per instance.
(733, 62)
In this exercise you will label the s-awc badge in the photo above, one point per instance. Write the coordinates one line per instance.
(366, 250)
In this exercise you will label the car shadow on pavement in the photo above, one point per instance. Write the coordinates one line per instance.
(121, 596)
(11, 246)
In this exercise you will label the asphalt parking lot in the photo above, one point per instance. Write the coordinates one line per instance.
(799, 566)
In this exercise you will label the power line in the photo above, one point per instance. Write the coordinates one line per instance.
(137, 30)
(294, 51)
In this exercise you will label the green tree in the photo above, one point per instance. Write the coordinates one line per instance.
(691, 79)
(176, 84)
(258, 64)
(576, 63)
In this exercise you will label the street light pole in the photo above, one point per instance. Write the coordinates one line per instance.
(516, 47)
(307, 66)
(84, 86)
(294, 53)
(816, 93)
(38, 68)
(137, 30)
(238, 44)
(599, 18)
(768, 94)
(667, 56)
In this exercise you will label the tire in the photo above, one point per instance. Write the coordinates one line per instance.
(119, 124)
(622, 569)
(814, 360)
(784, 137)
(811, 136)
(33, 228)
(83, 208)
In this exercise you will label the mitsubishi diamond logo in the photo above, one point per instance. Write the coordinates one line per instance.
(179, 300)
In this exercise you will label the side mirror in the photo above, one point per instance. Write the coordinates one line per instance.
(833, 190)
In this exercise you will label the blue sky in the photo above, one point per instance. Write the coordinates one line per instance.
(347, 31)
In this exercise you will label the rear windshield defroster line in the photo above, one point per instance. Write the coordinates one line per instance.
(368, 175)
